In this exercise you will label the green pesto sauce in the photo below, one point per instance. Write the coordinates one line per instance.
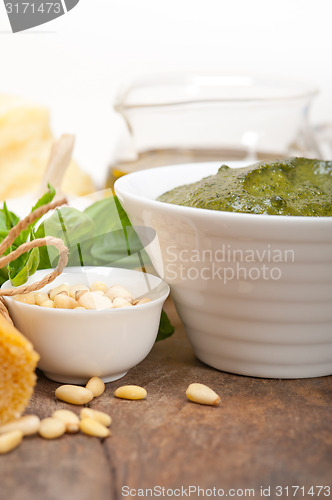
(296, 186)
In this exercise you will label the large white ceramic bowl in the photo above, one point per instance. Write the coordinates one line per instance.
(254, 291)
(75, 345)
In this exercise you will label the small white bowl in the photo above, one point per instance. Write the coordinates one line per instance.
(76, 345)
(273, 321)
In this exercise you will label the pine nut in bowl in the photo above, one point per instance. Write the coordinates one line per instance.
(77, 343)
(254, 291)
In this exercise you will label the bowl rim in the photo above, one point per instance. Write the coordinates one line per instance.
(121, 310)
(121, 189)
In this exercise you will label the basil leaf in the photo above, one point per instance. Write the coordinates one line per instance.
(3, 275)
(24, 266)
(45, 199)
(33, 261)
(73, 227)
(3, 234)
(115, 242)
(108, 215)
(3, 221)
(104, 215)
(166, 329)
(19, 274)
(10, 219)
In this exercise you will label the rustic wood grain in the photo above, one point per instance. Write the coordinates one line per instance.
(264, 433)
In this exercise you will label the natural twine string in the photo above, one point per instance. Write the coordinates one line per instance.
(39, 242)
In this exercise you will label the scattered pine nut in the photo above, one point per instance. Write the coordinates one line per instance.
(93, 422)
(69, 418)
(130, 392)
(10, 440)
(102, 417)
(202, 394)
(92, 427)
(96, 386)
(28, 425)
(51, 428)
(74, 394)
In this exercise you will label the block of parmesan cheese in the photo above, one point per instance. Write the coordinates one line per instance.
(25, 144)
(18, 362)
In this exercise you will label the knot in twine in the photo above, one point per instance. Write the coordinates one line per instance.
(39, 242)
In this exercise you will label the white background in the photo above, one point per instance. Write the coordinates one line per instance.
(75, 64)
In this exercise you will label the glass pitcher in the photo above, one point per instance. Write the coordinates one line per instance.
(185, 118)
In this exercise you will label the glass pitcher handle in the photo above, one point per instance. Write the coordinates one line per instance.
(323, 137)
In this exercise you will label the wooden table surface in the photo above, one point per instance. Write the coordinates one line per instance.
(265, 433)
